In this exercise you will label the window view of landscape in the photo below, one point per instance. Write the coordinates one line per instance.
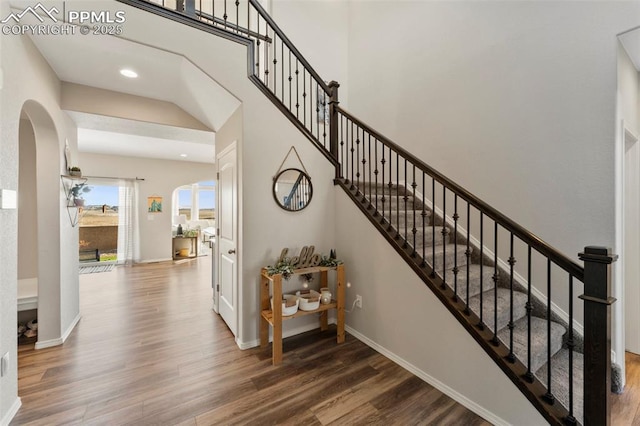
(99, 224)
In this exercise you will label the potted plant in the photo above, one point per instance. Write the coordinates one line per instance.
(75, 171)
(77, 190)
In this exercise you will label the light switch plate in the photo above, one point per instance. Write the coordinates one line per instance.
(8, 199)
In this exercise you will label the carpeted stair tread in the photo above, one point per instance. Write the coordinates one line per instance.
(474, 280)
(397, 202)
(427, 239)
(538, 340)
(406, 216)
(440, 250)
(560, 380)
(519, 302)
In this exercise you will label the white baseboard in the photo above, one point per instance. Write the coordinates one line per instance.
(69, 329)
(166, 259)
(57, 342)
(291, 332)
(451, 393)
(11, 413)
(48, 343)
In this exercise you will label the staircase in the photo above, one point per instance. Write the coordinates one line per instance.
(511, 291)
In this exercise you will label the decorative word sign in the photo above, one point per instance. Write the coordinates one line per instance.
(305, 259)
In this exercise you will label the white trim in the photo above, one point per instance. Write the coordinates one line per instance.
(59, 341)
(291, 332)
(167, 259)
(445, 389)
(49, 343)
(475, 243)
(11, 413)
(69, 329)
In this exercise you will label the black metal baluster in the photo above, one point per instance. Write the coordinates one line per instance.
(311, 103)
(237, 16)
(529, 307)
(275, 64)
(570, 345)
(495, 340)
(390, 187)
(512, 261)
(433, 227)
(297, 90)
(481, 323)
(405, 198)
(290, 79)
(455, 247)
(364, 167)
(352, 156)
(326, 117)
(424, 226)
(414, 230)
(370, 181)
(317, 120)
(304, 97)
(398, 195)
(549, 395)
(375, 171)
(266, 53)
(225, 14)
(344, 163)
(444, 235)
(384, 197)
(468, 255)
(257, 53)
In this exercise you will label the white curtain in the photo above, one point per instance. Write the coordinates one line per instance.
(128, 233)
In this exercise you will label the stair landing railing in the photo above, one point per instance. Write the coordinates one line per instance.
(369, 165)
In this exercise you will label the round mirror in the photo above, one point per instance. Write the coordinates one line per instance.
(292, 189)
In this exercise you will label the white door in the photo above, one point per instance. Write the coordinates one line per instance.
(227, 237)
(632, 242)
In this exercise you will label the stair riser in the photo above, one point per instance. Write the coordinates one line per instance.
(397, 203)
(399, 216)
(428, 237)
(519, 310)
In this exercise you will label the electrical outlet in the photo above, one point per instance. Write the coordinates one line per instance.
(4, 364)
(359, 301)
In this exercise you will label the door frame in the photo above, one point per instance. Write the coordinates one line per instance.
(233, 146)
(628, 138)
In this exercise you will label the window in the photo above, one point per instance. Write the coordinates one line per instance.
(196, 201)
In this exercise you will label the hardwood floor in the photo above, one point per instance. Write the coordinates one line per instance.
(625, 408)
(149, 350)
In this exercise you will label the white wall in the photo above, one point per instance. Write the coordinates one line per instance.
(513, 100)
(319, 29)
(628, 92)
(30, 82)
(27, 204)
(161, 177)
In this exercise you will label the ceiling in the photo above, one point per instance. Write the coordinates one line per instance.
(96, 61)
(631, 42)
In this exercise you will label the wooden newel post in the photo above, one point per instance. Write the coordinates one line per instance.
(597, 334)
(333, 124)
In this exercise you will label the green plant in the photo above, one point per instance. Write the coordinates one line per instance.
(74, 169)
(78, 189)
(329, 262)
(190, 233)
(283, 267)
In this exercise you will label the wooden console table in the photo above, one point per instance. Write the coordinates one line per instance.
(274, 317)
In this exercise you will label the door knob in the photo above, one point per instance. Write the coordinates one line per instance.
(232, 251)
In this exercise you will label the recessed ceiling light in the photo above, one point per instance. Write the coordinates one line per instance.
(129, 73)
(183, 155)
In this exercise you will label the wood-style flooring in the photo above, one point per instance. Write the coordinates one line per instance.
(625, 408)
(150, 351)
